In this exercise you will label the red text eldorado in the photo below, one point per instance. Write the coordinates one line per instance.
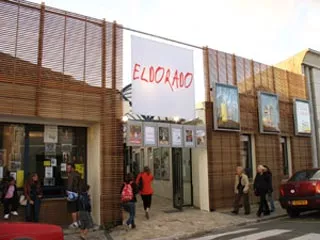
(156, 75)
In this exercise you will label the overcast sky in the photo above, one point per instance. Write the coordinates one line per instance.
(267, 31)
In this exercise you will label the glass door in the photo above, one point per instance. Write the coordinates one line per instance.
(177, 180)
(187, 178)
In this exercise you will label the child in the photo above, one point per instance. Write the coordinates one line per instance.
(129, 190)
(10, 198)
(84, 212)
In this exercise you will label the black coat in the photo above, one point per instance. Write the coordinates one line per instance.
(262, 184)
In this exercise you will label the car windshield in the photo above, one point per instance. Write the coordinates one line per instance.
(305, 175)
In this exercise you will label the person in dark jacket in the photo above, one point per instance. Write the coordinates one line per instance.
(261, 187)
(84, 211)
(129, 205)
(33, 194)
(10, 198)
(74, 184)
(270, 190)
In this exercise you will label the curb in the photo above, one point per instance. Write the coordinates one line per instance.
(206, 232)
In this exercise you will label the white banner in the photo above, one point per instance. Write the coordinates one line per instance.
(162, 79)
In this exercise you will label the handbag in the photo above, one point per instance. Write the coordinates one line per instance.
(23, 200)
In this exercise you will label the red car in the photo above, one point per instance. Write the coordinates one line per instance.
(30, 231)
(301, 192)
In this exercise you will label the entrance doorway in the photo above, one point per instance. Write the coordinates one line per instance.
(182, 178)
(171, 168)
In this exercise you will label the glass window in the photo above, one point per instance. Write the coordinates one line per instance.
(305, 175)
(284, 154)
(161, 163)
(246, 154)
(23, 150)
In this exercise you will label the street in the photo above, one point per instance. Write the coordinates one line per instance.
(305, 227)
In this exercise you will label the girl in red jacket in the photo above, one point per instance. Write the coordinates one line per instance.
(144, 182)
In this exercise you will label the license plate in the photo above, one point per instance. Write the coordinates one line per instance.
(299, 202)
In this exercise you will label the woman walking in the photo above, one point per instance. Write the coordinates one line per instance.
(10, 198)
(33, 194)
(144, 182)
(261, 187)
(270, 190)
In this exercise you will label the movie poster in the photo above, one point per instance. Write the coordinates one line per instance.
(227, 113)
(269, 113)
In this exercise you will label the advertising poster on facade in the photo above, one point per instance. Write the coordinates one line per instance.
(302, 117)
(50, 134)
(269, 119)
(134, 134)
(164, 135)
(162, 79)
(227, 112)
(176, 136)
(201, 138)
(189, 136)
(150, 136)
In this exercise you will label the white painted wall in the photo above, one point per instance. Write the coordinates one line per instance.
(93, 164)
(200, 179)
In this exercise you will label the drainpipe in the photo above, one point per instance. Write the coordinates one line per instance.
(314, 116)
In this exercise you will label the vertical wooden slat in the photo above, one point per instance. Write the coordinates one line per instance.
(234, 69)
(40, 54)
(274, 81)
(207, 84)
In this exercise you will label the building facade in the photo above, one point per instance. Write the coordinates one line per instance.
(60, 76)
(307, 62)
(254, 140)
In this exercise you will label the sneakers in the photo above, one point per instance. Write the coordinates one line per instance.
(128, 227)
(14, 213)
(74, 225)
(147, 214)
(234, 212)
(6, 216)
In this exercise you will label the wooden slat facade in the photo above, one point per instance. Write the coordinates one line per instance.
(224, 146)
(60, 65)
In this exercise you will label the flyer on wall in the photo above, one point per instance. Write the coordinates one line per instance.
(50, 134)
(302, 117)
(135, 134)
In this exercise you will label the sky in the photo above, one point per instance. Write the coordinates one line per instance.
(267, 31)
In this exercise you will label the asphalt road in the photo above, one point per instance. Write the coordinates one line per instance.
(306, 227)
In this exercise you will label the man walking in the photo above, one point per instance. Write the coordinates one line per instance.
(73, 189)
(241, 190)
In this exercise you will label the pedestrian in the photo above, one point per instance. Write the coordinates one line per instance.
(241, 190)
(84, 211)
(33, 194)
(73, 189)
(128, 191)
(261, 187)
(144, 182)
(9, 198)
(270, 190)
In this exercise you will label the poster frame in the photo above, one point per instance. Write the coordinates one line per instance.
(295, 117)
(185, 128)
(180, 127)
(134, 123)
(149, 124)
(261, 129)
(165, 125)
(203, 128)
(215, 108)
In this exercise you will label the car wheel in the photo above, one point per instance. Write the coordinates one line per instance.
(293, 213)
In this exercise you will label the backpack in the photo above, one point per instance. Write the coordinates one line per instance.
(85, 202)
(127, 192)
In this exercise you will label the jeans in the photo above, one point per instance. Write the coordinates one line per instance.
(7, 202)
(33, 211)
(246, 203)
(270, 199)
(263, 205)
(130, 207)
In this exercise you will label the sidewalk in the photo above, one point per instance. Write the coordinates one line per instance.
(166, 223)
